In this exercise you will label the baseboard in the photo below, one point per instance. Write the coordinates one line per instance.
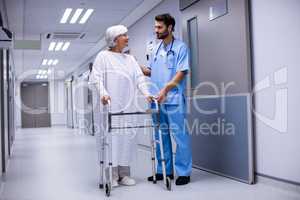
(58, 125)
(277, 182)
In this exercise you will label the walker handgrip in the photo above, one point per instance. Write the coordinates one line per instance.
(156, 104)
(109, 105)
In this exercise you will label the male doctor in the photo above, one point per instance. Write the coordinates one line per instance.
(169, 65)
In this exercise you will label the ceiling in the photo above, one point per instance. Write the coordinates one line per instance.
(34, 19)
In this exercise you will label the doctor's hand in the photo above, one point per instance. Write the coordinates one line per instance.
(150, 99)
(105, 99)
(162, 95)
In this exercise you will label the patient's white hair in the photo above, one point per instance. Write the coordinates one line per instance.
(112, 33)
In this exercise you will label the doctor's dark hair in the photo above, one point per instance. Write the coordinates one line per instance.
(167, 19)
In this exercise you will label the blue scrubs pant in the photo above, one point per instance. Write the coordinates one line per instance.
(172, 121)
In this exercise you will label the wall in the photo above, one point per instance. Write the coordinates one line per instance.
(17, 105)
(276, 47)
(57, 103)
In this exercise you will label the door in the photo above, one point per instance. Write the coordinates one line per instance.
(2, 161)
(69, 104)
(28, 104)
(42, 105)
(10, 103)
(219, 103)
(74, 88)
(12, 106)
(35, 105)
(4, 107)
(11, 110)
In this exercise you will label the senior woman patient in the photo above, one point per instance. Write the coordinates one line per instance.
(117, 75)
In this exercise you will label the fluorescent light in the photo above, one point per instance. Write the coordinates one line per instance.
(55, 62)
(66, 15)
(50, 62)
(76, 15)
(41, 72)
(51, 46)
(44, 62)
(66, 46)
(58, 46)
(86, 16)
(38, 76)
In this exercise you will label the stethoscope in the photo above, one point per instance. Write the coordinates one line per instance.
(169, 52)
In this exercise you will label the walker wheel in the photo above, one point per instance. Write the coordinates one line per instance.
(107, 189)
(168, 184)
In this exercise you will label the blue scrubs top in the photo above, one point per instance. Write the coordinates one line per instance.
(165, 62)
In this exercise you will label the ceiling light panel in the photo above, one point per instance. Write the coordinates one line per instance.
(66, 16)
(86, 16)
(59, 46)
(73, 17)
(44, 62)
(55, 62)
(52, 46)
(50, 62)
(66, 46)
(76, 15)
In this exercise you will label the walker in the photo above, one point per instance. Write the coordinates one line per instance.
(106, 141)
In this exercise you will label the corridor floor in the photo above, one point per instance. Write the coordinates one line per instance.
(59, 163)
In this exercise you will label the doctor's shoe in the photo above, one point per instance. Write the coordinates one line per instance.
(128, 181)
(182, 180)
(160, 177)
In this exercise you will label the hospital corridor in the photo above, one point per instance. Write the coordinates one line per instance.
(149, 99)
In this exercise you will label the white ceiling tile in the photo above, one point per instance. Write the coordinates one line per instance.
(36, 18)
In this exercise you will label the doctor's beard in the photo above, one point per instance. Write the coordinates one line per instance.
(163, 35)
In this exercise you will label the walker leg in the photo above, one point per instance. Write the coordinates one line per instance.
(110, 164)
(102, 154)
(162, 156)
(167, 181)
(153, 151)
(108, 153)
